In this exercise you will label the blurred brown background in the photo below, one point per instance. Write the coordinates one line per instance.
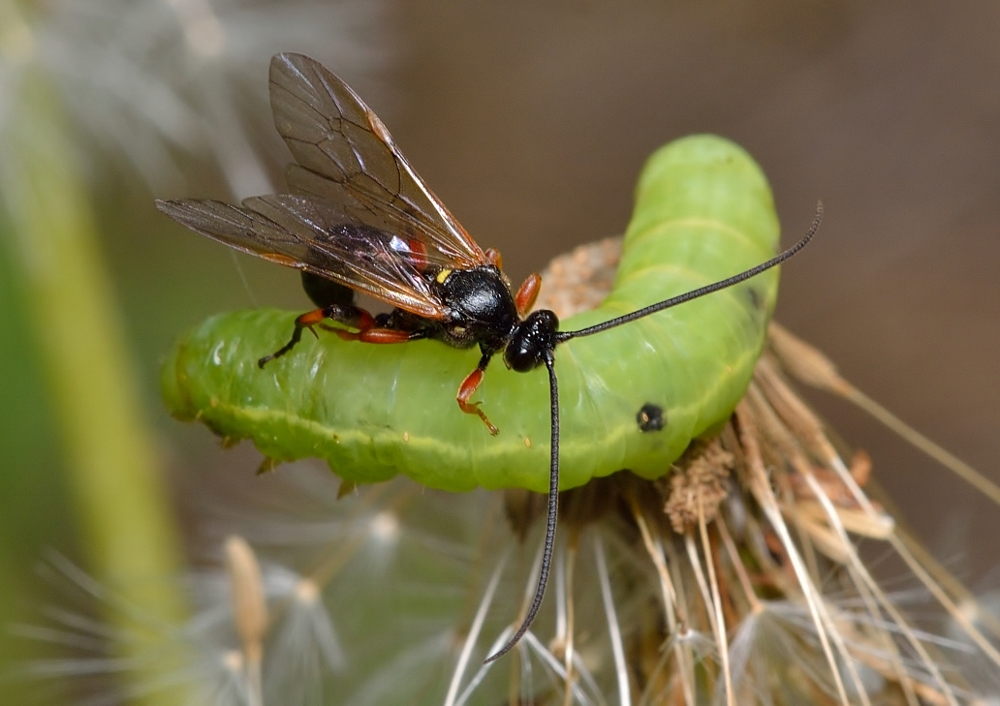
(531, 121)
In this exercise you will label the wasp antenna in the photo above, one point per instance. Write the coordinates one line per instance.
(701, 291)
(552, 516)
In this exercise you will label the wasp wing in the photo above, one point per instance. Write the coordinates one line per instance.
(318, 237)
(347, 157)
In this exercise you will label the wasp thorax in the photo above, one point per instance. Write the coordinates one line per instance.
(478, 297)
(532, 338)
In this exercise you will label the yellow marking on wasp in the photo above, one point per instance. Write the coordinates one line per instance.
(442, 276)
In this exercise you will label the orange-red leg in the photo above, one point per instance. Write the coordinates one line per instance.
(468, 388)
(493, 257)
(527, 294)
(369, 333)
(362, 321)
(380, 335)
(307, 321)
(348, 315)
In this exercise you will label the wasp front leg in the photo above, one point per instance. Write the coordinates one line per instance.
(468, 388)
(527, 293)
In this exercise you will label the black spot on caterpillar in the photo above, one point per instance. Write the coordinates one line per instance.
(651, 417)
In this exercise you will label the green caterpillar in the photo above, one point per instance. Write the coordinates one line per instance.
(358, 218)
(633, 397)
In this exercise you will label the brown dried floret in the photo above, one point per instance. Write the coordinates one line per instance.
(700, 478)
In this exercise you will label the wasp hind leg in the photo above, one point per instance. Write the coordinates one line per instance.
(346, 314)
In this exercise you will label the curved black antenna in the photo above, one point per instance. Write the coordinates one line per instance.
(701, 291)
(550, 523)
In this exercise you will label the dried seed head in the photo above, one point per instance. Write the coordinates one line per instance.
(804, 362)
